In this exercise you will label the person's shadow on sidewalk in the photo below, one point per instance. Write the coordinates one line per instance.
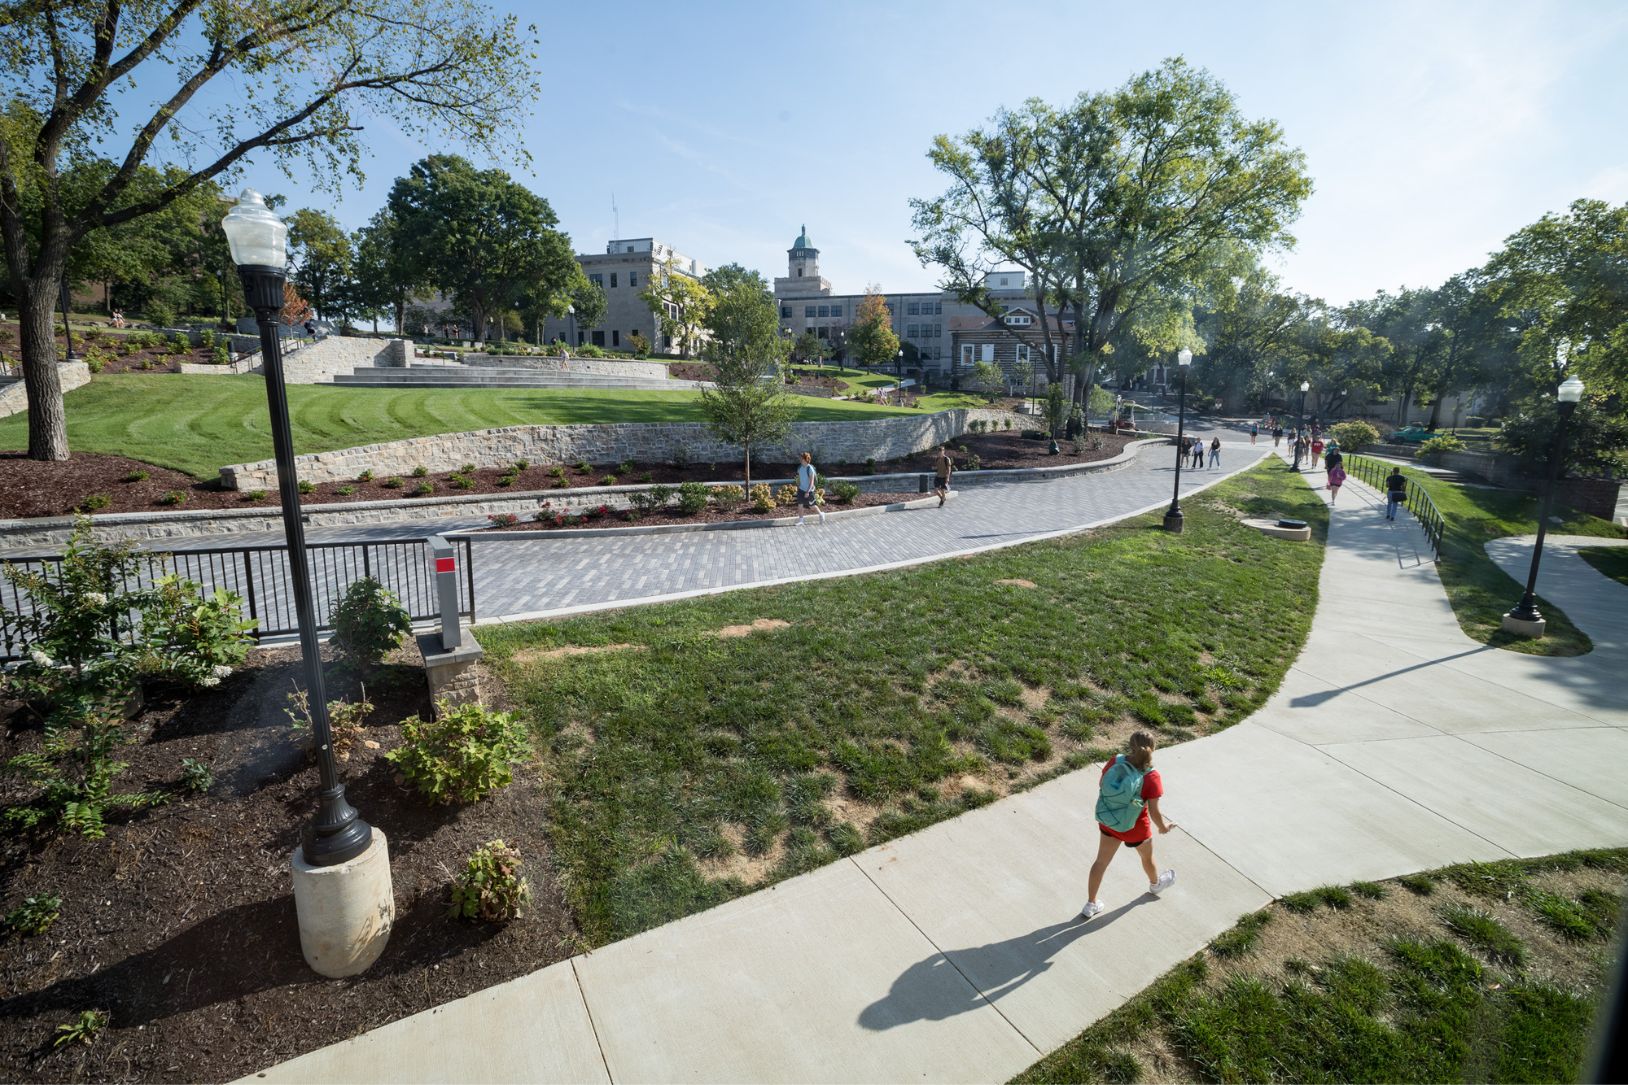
(935, 987)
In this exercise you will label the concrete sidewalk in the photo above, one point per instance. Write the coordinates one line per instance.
(1396, 744)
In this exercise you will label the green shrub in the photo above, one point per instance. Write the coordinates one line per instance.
(392, 483)
(369, 623)
(843, 493)
(583, 467)
(652, 499)
(34, 915)
(492, 886)
(306, 486)
(255, 495)
(460, 481)
(83, 1029)
(420, 471)
(180, 343)
(625, 467)
(1436, 446)
(95, 502)
(424, 487)
(71, 774)
(786, 496)
(365, 476)
(762, 498)
(345, 490)
(692, 498)
(729, 498)
(223, 356)
(196, 777)
(467, 469)
(95, 360)
(192, 638)
(462, 754)
(520, 465)
(173, 497)
(135, 476)
(608, 480)
(346, 720)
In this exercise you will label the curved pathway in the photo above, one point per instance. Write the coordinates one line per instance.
(534, 578)
(1395, 744)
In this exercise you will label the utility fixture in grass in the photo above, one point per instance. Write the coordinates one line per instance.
(702, 748)
(197, 424)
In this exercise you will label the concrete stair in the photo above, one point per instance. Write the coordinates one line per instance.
(458, 376)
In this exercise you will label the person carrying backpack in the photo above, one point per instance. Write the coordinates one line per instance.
(1127, 810)
(1396, 492)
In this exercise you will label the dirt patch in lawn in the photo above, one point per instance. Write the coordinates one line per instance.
(180, 924)
(532, 655)
(758, 625)
(739, 863)
(1017, 582)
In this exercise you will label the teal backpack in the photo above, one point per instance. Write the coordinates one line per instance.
(1119, 803)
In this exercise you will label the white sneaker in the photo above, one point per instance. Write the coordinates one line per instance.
(1166, 880)
(1091, 910)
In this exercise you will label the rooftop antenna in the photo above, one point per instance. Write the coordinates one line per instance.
(617, 215)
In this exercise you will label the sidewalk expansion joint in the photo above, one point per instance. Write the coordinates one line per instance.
(589, 1010)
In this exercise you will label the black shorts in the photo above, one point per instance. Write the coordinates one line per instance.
(805, 498)
(1127, 843)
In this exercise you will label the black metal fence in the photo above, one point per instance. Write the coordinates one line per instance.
(1375, 472)
(260, 575)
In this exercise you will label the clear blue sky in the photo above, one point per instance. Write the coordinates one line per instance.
(1432, 129)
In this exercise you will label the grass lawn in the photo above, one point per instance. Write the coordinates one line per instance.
(1481, 972)
(198, 423)
(1610, 560)
(856, 379)
(1481, 593)
(692, 755)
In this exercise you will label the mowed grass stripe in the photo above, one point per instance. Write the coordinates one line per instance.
(685, 767)
(197, 424)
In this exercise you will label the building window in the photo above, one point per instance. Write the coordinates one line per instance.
(599, 338)
(598, 280)
(616, 337)
(613, 280)
(913, 309)
(969, 353)
(1022, 353)
(822, 332)
(799, 273)
(785, 312)
(632, 332)
(825, 310)
(808, 311)
(1017, 320)
(581, 337)
(633, 278)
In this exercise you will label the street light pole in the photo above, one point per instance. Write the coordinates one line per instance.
(1173, 519)
(1300, 424)
(1525, 618)
(337, 832)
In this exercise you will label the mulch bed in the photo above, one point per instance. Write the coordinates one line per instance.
(607, 517)
(29, 488)
(113, 350)
(180, 924)
(691, 371)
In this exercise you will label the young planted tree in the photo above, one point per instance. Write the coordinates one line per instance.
(298, 78)
(871, 341)
(746, 405)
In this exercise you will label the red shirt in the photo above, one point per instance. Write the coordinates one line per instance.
(1152, 788)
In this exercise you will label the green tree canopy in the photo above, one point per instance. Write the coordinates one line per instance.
(681, 305)
(322, 262)
(871, 341)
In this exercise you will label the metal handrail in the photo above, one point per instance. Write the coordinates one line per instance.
(259, 575)
(1374, 472)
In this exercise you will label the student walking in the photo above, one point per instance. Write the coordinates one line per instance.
(1316, 449)
(1198, 452)
(1128, 794)
(1277, 436)
(1299, 451)
(942, 470)
(1396, 492)
(1215, 452)
(1254, 432)
(807, 496)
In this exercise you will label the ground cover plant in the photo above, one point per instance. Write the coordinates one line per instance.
(700, 749)
(196, 424)
(1467, 981)
(1610, 560)
(1480, 592)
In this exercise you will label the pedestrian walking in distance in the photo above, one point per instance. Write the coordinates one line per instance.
(1215, 452)
(1277, 436)
(1334, 463)
(1198, 452)
(942, 470)
(807, 496)
(1316, 449)
(1254, 432)
(1396, 492)
(1128, 796)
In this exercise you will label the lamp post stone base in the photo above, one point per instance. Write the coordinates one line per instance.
(1522, 627)
(346, 910)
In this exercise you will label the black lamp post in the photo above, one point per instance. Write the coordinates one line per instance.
(1173, 519)
(259, 248)
(1526, 611)
(1300, 424)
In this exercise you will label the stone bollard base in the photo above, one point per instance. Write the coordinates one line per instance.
(452, 674)
(1523, 628)
(345, 911)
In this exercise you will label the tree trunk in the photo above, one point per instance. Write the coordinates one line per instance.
(47, 423)
(1435, 411)
(747, 446)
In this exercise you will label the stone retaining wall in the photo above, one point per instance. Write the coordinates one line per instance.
(322, 361)
(1595, 496)
(14, 394)
(588, 367)
(662, 442)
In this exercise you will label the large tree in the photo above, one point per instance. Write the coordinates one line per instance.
(479, 237)
(871, 340)
(322, 262)
(1115, 203)
(744, 321)
(290, 79)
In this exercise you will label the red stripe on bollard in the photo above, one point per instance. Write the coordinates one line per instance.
(446, 565)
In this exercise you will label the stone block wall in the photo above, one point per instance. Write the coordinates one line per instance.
(14, 396)
(1595, 496)
(588, 367)
(831, 442)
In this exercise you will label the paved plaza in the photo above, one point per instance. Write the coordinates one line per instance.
(955, 954)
